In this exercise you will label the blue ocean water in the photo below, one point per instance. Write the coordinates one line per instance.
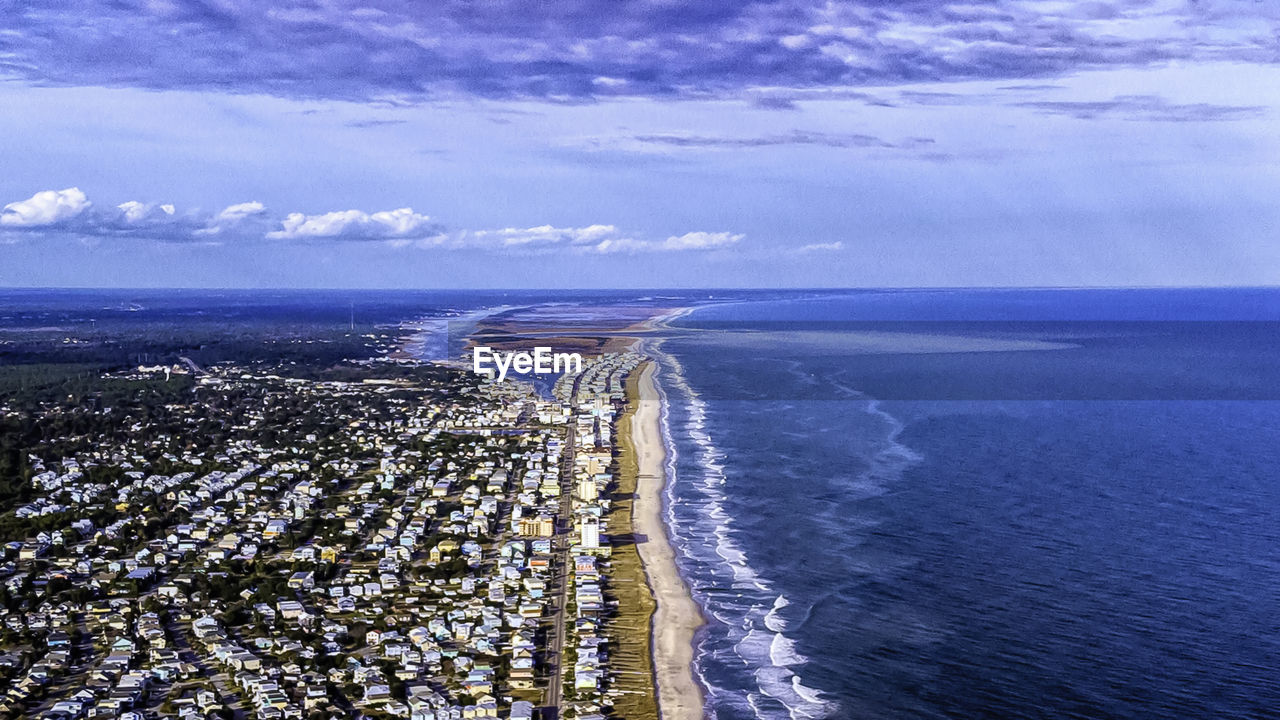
(982, 504)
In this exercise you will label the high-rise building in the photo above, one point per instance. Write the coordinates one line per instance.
(590, 532)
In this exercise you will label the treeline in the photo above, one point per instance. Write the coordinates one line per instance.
(204, 342)
(37, 377)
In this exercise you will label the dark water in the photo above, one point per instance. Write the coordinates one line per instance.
(1033, 505)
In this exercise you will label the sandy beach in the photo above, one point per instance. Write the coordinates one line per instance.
(677, 616)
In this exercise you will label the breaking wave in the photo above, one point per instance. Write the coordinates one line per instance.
(748, 611)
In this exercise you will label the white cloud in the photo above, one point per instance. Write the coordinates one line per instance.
(240, 211)
(358, 224)
(675, 243)
(620, 245)
(821, 247)
(235, 215)
(45, 208)
(401, 223)
(701, 241)
(595, 239)
(133, 210)
(137, 212)
(795, 42)
(249, 221)
(549, 236)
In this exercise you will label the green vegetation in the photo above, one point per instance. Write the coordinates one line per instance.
(632, 657)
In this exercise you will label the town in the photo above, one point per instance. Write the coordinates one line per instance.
(246, 541)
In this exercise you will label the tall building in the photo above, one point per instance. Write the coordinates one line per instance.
(590, 532)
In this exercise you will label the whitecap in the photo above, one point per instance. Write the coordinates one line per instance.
(782, 651)
(750, 616)
(774, 620)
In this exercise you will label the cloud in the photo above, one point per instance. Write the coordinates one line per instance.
(795, 137)
(242, 219)
(691, 241)
(1128, 107)
(1146, 107)
(821, 247)
(914, 97)
(68, 213)
(701, 241)
(774, 102)
(584, 49)
(134, 212)
(45, 208)
(356, 225)
(593, 239)
(545, 236)
(374, 123)
(240, 211)
(1033, 87)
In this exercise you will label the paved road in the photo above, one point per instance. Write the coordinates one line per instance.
(563, 540)
(560, 576)
(181, 644)
(196, 369)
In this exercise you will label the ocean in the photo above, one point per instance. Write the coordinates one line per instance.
(981, 504)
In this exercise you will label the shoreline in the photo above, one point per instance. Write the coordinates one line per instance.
(677, 617)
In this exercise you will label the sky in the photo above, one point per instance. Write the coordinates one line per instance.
(652, 143)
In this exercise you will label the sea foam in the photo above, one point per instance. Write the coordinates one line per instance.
(750, 615)
(774, 620)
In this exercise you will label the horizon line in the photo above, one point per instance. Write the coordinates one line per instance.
(797, 288)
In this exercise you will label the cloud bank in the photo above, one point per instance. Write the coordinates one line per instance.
(356, 224)
(795, 137)
(602, 239)
(584, 49)
(1146, 107)
(69, 213)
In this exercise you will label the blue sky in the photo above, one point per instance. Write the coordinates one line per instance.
(642, 144)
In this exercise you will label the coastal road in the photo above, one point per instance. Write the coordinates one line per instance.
(560, 549)
(560, 555)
